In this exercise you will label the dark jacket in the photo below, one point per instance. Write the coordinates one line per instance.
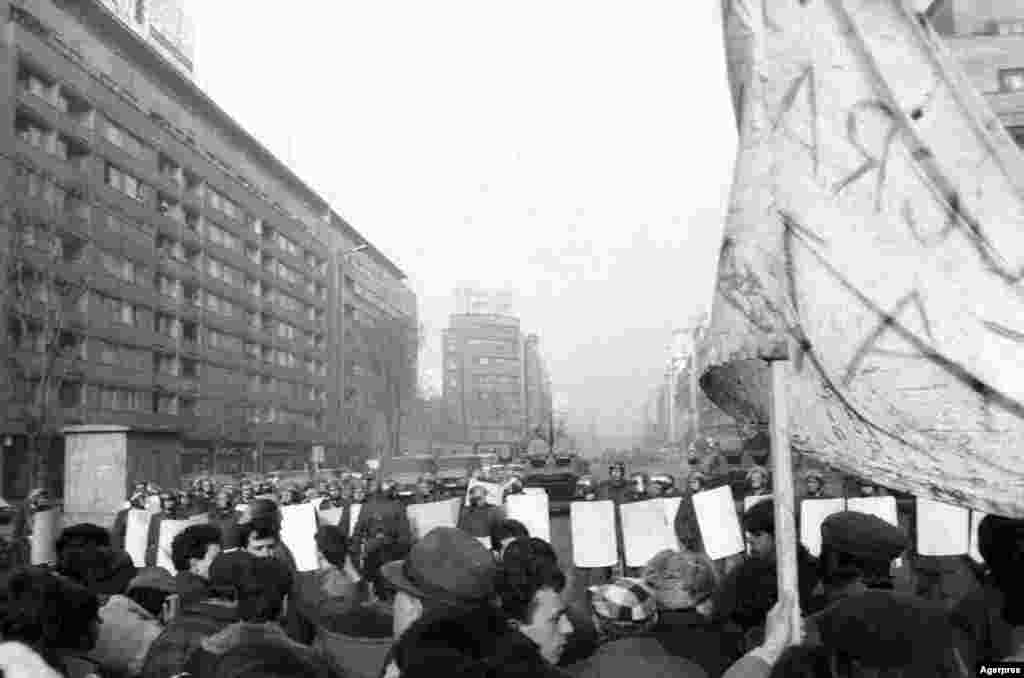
(381, 520)
(476, 521)
(356, 642)
(191, 588)
(203, 661)
(153, 536)
(227, 522)
(686, 527)
(120, 529)
(479, 638)
(636, 656)
(170, 651)
(103, 571)
(984, 635)
(751, 589)
(691, 635)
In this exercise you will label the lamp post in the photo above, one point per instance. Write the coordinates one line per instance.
(340, 267)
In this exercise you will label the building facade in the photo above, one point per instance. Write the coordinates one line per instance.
(536, 389)
(219, 295)
(987, 37)
(164, 23)
(483, 378)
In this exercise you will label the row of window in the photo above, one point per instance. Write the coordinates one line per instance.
(32, 81)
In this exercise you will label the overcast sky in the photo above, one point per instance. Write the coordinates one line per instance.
(578, 151)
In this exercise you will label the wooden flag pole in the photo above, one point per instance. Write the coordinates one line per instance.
(782, 481)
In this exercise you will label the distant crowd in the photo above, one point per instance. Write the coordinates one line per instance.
(488, 599)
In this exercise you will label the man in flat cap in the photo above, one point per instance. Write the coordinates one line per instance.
(857, 553)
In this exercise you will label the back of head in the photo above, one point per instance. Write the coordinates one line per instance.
(193, 542)
(1001, 543)
(262, 587)
(377, 558)
(760, 518)
(83, 534)
(226, 571)
(442, 643)
(530, 548)
(333, 544)
(46, 611)
(680, 579)
(893, 632)
(506, 529)
(267, 661)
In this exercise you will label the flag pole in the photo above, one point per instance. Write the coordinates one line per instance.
(782, 480)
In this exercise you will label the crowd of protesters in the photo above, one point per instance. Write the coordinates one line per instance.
(382, 604)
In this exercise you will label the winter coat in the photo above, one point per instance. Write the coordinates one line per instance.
(686, 527)
(477, 521)
(227, 522)
(356, 642)
(983, 633)
(125, 636)
(191, 588)
(640, 655)
(751, 589)
(202, 663)
(170, 651)
(691, 635)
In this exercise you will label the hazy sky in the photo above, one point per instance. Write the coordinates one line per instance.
(577, 151)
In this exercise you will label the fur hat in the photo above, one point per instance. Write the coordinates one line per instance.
(680, 579)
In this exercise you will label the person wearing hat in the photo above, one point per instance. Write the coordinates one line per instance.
(683, 585)
(446, 570)
(857, 552)
(625, 614)
(132, 622)
(477, 517)
(425, 493)
(616, 487)
(334, 498)
(814, 485)
(224, 515)
(84, 554)
(382, 518)
(758, 479)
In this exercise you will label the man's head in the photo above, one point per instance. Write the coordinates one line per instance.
(681, 580)
(223, 499)
(312, 494)
(530, 594)
(1001, 543)
(867, 488)
(759, 526)
(445, 569)
(858, 546)
(194, 549)
(334, 491)
(331, 546)
(696, 481)
(477, 495)
(814, 482)
(262, 589)
(169, 502)
(757, 478)
(259, 536)
(424, 486)
(504, 532)
(358, 494)
(623, 608)
(617, 472)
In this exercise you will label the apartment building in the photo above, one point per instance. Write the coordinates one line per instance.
(164, 23)
(536, 388)
(483, 378)
(987, 37)
(220, 290)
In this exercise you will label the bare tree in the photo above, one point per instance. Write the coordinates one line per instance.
(391, 348)
(41, 347)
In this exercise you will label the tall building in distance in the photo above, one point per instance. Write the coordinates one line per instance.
(496, 387)
(164, 24)
(536, 388)
(987, 37)
(219, 302)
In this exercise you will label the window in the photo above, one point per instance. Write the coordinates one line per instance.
(71, 248)
(224, 342)
(252, 350)
(219, 305)
(112, 398)
(189, 368)
(120, 180)
(169, 287)
(70, 394)
(30, 132)
(192, 220)
(226, 274)
(1011, 79)
(187, 407)
(190, 331)
(166, 364)
(168, 325)
(117, 310)
(123, 139)
(165, 404)
(218, 236)
(223, 204)
(286, 331)
(119, 267)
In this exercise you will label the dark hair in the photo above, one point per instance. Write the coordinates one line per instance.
(193, 542)
(150, 599)
(332, 542)
(83, 534)
(456, 645)
(47, 612)
(258, 528)
(503, 529)
(377, 558)
(524, 572)
(262, 587)
(1001, 544)
(252, 660)
(760, 518)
